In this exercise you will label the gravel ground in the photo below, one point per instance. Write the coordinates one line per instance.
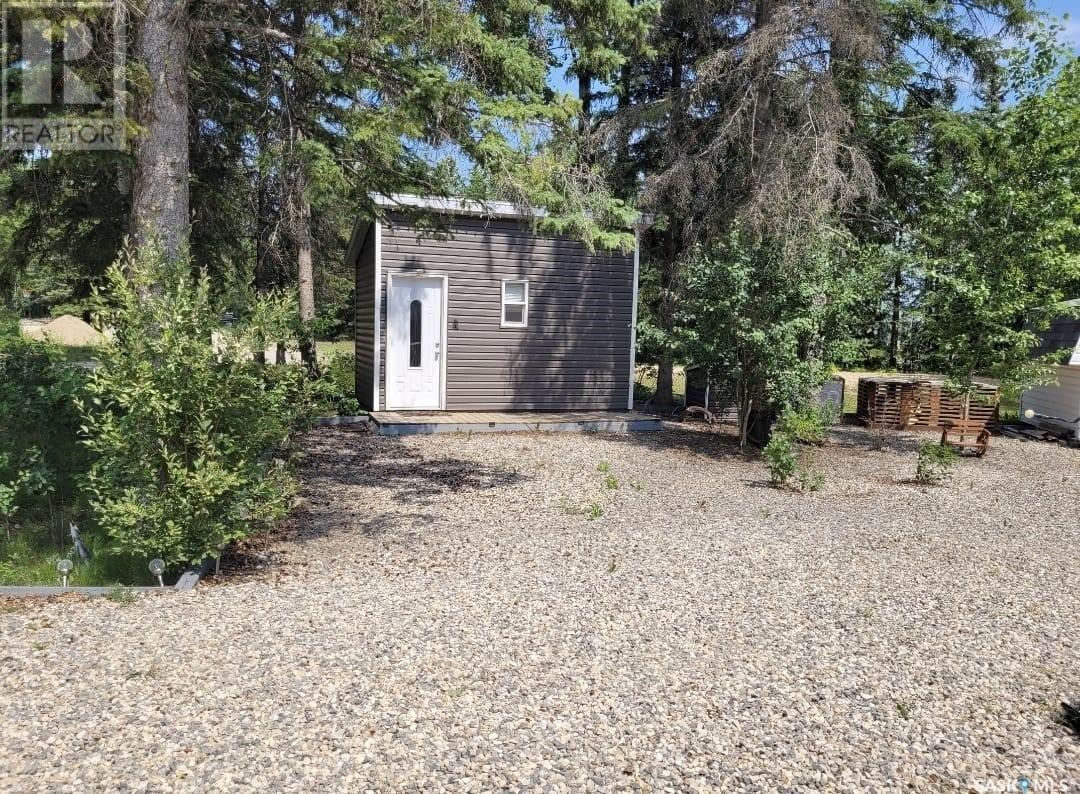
(450, 612)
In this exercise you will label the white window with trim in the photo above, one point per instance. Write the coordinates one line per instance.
(515, 304)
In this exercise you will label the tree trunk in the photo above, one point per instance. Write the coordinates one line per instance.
(745, 394)
(761, 132)
(305, 282)
(262, 277)
(159, 202)
(586, 97)
(894, 321)
(745, 404)
(305, 268)
(665, 396)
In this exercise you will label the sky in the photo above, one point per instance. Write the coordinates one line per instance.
(1059, 8)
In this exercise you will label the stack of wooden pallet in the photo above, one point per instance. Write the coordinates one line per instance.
(718, 400)
(899, 402)
(886, 403)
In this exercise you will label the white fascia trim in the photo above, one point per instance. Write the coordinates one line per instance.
(445, 340)
(633, 318)
(481, 209)
(378, 314)
(356, 243)
(457, 206)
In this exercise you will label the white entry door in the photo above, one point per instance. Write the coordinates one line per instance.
(414, 342)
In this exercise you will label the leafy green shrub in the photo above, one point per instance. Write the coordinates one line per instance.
(179, 420)
(331, 321)
(780, 458)
(339, 372)
(809, 477)
(75, 309)
(305, 399)
(334, 390)
(809, 423)
(9, 326)
(267, 319)
(935, 463)
(31, 479)
(40, 457)
(349, 406)
(787, 462)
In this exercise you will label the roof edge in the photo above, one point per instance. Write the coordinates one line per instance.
(361, 229)
(482, 209)
(458, 206)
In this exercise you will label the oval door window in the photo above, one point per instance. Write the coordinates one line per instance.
(414, 333)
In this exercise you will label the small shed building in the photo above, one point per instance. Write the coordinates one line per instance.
(1057, 405)
(481, 312)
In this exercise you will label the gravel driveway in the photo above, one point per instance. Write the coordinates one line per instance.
(468, 613)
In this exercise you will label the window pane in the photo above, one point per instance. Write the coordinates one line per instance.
(514, 314)
(414, 334)
(514, 292)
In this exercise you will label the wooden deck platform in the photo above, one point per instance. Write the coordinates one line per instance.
(402, 423)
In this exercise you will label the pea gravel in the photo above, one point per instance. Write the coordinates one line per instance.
(585, 612)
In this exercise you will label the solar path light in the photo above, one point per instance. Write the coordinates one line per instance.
(157, 567)
(64, 567)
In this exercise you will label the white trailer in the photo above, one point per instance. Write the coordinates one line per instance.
(1056, 406)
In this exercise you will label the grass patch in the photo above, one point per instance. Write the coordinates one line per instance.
(1009, 409)
(645, 382)
(326, 349)
(590, 511)
(31, 554)
(121, 595)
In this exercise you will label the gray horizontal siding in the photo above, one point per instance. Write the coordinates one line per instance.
(1061, 398)
(1063, 334)
(575, 352)
(591, 282)
(482, 349)
(364, 322)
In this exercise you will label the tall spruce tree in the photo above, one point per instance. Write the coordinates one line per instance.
(739, 118)
(361, 97)
(753, 115)
(939, 57)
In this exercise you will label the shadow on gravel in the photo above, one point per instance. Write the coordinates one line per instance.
(717, 441)
(337, 467)
(720, 442)
(854, 437)
(387, 462)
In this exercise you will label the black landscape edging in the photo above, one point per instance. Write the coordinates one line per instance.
(335, 421)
